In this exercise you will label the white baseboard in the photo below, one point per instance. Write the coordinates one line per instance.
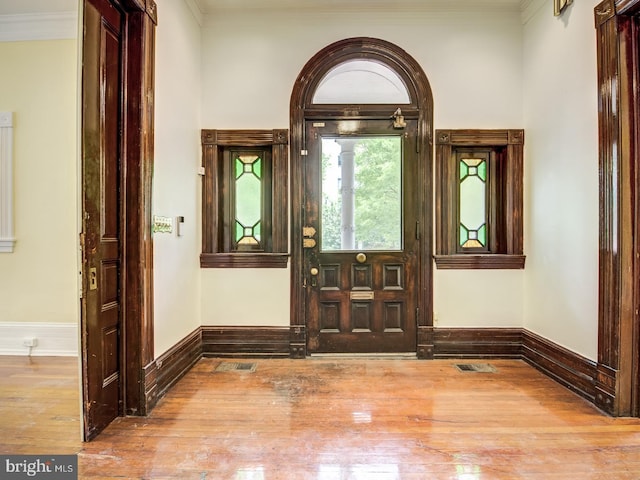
(53, 339)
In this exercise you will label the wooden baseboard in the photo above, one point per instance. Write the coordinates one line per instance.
(568, 368)
(564, 366)
(161, 374)
(477, 343)
(265, 342)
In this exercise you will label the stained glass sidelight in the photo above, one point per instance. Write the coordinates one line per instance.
(248, 199)
(473, 202)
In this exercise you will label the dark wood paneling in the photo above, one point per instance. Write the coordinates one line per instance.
(161, 374)
(477, 342)
(566, 367)
(245, 341)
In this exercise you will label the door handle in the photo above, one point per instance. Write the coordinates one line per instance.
(314, 276)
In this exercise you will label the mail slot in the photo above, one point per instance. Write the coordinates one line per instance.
(361, 295)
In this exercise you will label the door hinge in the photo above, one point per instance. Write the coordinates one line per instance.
(304, 153)
(417, 314)
(417, 230)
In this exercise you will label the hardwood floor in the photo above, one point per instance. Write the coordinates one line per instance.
(327, 419)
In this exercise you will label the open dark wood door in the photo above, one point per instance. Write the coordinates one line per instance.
(361, 242)
(102, 187)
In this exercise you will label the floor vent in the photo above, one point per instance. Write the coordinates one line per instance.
(475, 367)
(235, 367)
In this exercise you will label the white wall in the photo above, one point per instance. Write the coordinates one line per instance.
(38, 281)
(176, 183)
(473, 61)
(561, 179)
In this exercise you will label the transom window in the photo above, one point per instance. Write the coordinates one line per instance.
(361, 82)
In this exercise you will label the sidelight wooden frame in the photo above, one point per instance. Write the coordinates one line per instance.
(216, 190)
(505, 205)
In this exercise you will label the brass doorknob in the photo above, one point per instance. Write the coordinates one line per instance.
(313, 271)
(361, 258)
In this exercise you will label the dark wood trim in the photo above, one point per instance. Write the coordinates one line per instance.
(245, 341)
(477, 343)
(568, 368)
(302, 107)
(506, 207)
(138, 57)
(138, 246)
(244, 260)
(618, 45)
(564, 366)
(487, 261)
(215, 251)
(161, 374)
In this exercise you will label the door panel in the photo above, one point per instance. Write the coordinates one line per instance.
(101, 164)
(361, 255)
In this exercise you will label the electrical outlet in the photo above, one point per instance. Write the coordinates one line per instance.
(29, 341)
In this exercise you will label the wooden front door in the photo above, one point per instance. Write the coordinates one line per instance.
(102, 206)
(361, 241)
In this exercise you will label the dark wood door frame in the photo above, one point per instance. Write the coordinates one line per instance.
(618, 46)
(137, 164)
(302, 108)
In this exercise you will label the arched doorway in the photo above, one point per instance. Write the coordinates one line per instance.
(361, 271)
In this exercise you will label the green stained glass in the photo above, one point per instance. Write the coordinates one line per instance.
(464, 170)
(482, 235)
(248, 199)
(239, 231)
(257, 168)
(464, 235)
(472, 202)
(482, 171)
(239, 167)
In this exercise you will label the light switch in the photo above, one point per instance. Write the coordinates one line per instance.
(179, 225)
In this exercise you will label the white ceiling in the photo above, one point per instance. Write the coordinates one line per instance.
(12, 7)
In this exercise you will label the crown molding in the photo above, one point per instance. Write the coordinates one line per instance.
(529, 8)
(197, 10)
(446, 6)
(39, 26)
